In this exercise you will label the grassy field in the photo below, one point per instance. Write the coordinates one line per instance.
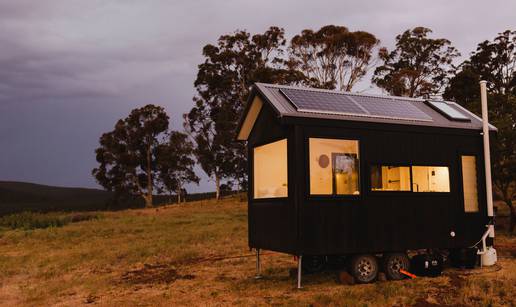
(172, 255)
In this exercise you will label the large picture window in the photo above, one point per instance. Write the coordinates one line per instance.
(270, 170)
(411, 178)
(334, 167)
(430, 179)
(390, 178)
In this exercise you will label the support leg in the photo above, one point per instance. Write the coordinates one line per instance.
(258, 265)
(299, 259)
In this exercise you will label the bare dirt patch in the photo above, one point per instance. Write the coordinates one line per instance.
(154, 274)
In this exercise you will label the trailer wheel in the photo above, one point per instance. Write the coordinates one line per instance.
(313, 264)
(393, 263)
(364, 268)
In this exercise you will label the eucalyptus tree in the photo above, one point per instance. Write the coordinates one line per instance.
(223, 83)
(128, 154)
(419, 66)
(333, 57)
(176, 163)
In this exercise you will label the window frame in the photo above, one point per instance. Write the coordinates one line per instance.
(387, 191)
(411, 192)
(333, 196)
(431, 192)
(251, 168)
(479, 183)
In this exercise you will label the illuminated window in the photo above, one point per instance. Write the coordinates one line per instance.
(334, 166)
(430, 179)
(469, 183)
(390, 178)
(270, 170)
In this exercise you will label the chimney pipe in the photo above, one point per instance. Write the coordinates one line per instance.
(487, 156)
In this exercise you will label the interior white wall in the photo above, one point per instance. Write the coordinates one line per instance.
(270, 170)
(469, 183)
(431, 178)
(321, 179)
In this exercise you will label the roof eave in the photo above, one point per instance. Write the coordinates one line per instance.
(255, 90)
(244, 114)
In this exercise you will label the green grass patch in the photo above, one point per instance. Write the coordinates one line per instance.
(31, 220)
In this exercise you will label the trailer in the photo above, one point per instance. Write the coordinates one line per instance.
(364, 178)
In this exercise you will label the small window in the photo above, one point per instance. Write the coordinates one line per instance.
(334, 167)
(469, 183)
(390, 178)
(270, 170)
(430, 179)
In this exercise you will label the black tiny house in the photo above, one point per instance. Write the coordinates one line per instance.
(334, 173)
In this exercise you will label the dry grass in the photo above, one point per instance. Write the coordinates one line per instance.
(169, 255)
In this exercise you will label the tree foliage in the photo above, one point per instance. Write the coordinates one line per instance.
(127, 155)
(495, 62)
(176, 163)
(333, 57)
(223, 84)
(419, 66)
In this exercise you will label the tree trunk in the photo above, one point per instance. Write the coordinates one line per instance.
(238, 191)
(217, 186)
(148, 199)
(179, 195)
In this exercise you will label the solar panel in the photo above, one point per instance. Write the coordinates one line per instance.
(355, 105)
(448, 111)
(391, 107)
(310, 101)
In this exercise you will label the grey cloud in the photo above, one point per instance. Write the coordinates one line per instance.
(70, 68)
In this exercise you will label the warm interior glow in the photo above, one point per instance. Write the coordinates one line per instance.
(270, 170)
(390, 178)
(430, 179)
(334, 167)
(469, 183)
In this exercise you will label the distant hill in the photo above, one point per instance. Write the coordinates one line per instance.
(22, 196)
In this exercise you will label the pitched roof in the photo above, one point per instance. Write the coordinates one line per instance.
(299, 102)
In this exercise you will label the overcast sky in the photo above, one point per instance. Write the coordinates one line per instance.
(69, 69)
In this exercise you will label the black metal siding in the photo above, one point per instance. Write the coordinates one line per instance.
(372, 221)
(272, 222)
(390, 221)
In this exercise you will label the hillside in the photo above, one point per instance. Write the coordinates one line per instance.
(196, 254)
(23, 196)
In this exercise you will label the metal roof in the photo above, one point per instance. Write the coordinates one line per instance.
(273, 95)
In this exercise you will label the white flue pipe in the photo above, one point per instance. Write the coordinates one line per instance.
(487, 153)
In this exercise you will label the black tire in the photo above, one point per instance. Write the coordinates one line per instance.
(393, 262)
(364, 268)
(313, 264)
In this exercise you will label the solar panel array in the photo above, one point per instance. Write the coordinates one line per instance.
(355, 105)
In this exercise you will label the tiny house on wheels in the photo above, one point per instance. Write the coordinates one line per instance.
(363, 177)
